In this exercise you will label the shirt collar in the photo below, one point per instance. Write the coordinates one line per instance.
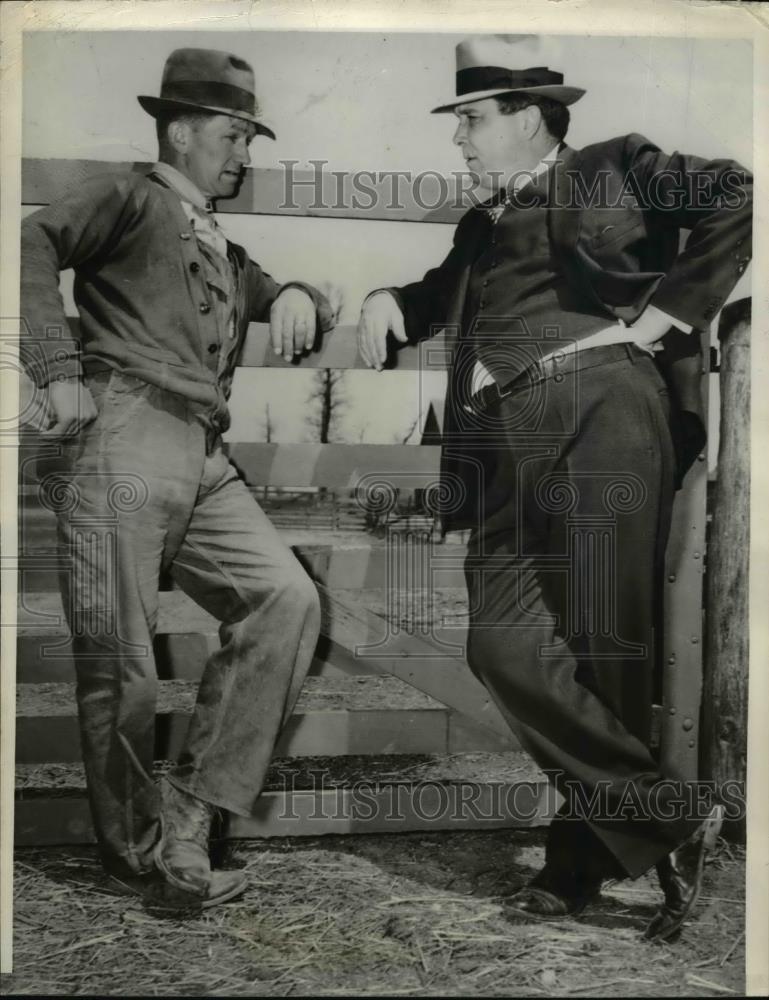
(184, 187)
(544, 164)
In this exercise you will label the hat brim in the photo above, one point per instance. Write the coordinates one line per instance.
(565, 95)
(158, 105)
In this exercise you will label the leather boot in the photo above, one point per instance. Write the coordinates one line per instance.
(181, 854)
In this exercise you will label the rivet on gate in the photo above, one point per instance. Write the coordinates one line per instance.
(672, 578)
(700, 458)
(691, 744)
(687, 724)
(695, 640)
(672, 711)
(696, 555)
(672, 659)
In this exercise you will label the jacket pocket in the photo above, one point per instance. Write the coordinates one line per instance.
(121, 400)
(612, 233)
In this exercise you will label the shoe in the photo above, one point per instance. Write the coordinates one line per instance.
(680, 877)
(550, 895)
(181, 853)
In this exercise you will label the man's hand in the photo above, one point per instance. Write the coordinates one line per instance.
(72, 407)
(651, 326)
(292, 323)
(379, 315)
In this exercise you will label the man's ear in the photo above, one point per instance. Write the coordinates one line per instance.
(178, 134)
(532, 120)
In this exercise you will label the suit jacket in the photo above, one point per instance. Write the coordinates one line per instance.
(616, 211)
(140, 291)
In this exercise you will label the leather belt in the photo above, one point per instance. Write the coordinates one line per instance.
(555, 366)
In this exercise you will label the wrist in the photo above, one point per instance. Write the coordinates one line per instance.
(295, 286)
(378, 291)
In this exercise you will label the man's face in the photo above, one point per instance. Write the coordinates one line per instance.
(216, 152)
(495, 146)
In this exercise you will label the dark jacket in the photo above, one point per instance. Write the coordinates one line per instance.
(140, 291)
(616, 211)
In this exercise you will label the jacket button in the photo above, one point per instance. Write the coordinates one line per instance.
(213, 348)
(194, 267)
(205, 308)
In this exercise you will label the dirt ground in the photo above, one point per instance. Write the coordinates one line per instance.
(404, 914)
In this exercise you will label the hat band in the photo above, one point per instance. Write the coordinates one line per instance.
(209, 94)
(498, 78)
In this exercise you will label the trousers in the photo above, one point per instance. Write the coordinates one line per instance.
(146, 490)
(564, 576)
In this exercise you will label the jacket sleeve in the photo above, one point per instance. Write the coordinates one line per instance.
(264, 290)
(425, 303)
(714, 200)
(76, 229)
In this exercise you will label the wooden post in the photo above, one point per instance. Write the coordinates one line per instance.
(725, 693)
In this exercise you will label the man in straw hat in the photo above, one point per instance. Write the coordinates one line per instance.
(573, 409)
(164, 302)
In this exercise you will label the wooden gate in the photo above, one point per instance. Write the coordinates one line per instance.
(389, 704)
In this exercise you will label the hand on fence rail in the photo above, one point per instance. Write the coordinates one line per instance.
(379, 315)
(292, 323)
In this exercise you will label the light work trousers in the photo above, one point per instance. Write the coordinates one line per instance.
(145, 490)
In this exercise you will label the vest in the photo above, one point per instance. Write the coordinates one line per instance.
(519, 306)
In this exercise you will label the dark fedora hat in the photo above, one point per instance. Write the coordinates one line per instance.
(493, 65)
(207, 80)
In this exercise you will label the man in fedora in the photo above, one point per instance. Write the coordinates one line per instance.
(573, 409)
(165, 301)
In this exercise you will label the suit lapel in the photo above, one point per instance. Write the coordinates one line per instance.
(471, 248)
(564, 219)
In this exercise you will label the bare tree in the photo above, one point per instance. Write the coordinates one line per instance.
(269, 430)
(269, 426)
(327, 402)
(413, 426)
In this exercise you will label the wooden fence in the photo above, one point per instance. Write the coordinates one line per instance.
(390, 700)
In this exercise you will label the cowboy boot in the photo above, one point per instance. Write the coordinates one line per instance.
(181, 854)
(680, 876)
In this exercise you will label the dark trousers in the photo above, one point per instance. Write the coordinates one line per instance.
(563, 573)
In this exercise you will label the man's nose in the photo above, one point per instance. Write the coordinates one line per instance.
(242, 154)
(459, 135)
